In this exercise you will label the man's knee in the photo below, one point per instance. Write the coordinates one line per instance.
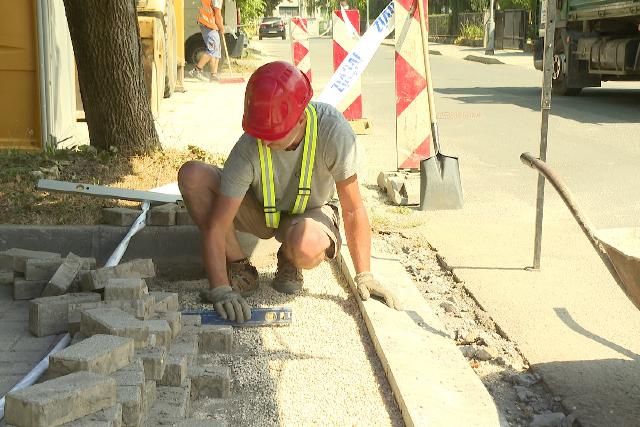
(307, 244)
(195, 174)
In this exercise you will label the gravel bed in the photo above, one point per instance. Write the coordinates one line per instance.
(322, 369)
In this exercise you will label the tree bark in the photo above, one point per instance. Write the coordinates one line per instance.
(108, 53)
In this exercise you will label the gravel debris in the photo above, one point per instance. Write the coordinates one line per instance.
(322, 369)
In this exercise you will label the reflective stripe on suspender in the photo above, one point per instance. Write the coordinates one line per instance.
(271, 215)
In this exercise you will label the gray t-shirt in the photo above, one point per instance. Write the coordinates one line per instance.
(336, 160)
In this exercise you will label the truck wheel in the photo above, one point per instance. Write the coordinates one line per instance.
(561, 70)
(171, 50)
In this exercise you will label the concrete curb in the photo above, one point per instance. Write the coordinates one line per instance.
(430, 378)
(482, 59)
(175, 250)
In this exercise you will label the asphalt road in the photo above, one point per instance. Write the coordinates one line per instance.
(570, 320)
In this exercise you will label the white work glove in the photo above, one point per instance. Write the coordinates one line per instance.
(368, 286)
(227, 303)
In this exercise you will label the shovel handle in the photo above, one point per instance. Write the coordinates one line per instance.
(226, 52)
(427, 64)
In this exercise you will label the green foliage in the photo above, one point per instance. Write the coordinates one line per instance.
(517, 4)
(469, 32)
(251, 10)
(478, 5)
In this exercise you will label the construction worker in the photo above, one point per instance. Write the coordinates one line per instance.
(212, 29)
(279, 181)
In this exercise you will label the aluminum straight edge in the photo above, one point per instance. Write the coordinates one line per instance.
(107, 192)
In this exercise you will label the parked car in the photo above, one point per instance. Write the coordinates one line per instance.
(272, 26)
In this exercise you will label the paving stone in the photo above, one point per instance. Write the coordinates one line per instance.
(102, 354)
(75, 316)
(113, 321)
(183, 217)
(162, 331)
(132, 374)
(78, 337)
(36, 344)
(130, 397)
(149, 397)
(210, 382)
(153, 360)
(60, 400)
(124, 289)
(171, 402)
(15, 368)
(110, 417)
(41, 269)
(175, 370)
(64, 276)
(175, 321)
(138, 269)
(215, 339)
(163, 215)
(50, 315)
(188, 422)
(142, 308)
(191, 320)
(6, 277)
(187, 345)
(122, 217)
(165, 301)
(16, 258)
(27, 289)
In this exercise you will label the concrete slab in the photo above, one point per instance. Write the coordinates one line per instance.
(431, 380)
(50, 315)
(110, 417)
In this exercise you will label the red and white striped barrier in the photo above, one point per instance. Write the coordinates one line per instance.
(413, 130)
(299, 34)
(344, 40)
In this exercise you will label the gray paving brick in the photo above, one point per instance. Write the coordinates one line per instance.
(141, 309)
(36, 344)
(124, 289)
(50, 315)
(113, 321)
(6, 278)
(60, 400)
(102, 354)
(175, 370)
(7, 382)
(171, 402)
(210, 382)
(132, 374)
(22, 356)
(138, 268)
(149, 397)
(15, 368)
(110, 417)
(19, 258)
(175, 321)
(122, 217)
(153, 360)
(165, 301)
(183, 217)
(75, 311)
(191, 320)
(26, 289)
(162, 331)
(185, 344)
(163, 215)
(216, 339)
(64, 276)
(41, 269)
(130, 397)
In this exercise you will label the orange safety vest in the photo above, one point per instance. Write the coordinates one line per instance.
(206, 17)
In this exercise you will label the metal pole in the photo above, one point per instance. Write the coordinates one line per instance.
(547, 75)
(367, 23)
(491, 30)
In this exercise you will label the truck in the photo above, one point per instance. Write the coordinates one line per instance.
(595, 41)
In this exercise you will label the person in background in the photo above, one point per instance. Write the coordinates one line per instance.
(212, 29)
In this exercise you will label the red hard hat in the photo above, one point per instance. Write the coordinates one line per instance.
(276, 96)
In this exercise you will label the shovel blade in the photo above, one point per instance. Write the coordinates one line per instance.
(440, 185)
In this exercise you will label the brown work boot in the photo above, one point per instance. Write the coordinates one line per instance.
(243, 277)
(288, 278)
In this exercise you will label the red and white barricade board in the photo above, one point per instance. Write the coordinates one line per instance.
(300, 54)
(344, 40)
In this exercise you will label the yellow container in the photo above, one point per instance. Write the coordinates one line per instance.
(19, 89)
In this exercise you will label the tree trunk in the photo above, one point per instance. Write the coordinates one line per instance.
(108, 53)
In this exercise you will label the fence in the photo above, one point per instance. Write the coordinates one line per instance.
(448, 25)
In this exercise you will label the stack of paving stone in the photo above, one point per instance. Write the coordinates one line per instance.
(162, 215)
(133, 359)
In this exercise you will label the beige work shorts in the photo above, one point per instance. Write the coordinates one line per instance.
(250, 219)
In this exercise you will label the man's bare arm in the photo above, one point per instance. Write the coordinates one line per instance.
(356, 223)
(213, 239)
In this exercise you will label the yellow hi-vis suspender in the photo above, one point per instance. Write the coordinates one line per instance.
(271, 215)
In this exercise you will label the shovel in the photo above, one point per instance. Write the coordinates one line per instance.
(440, 185)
